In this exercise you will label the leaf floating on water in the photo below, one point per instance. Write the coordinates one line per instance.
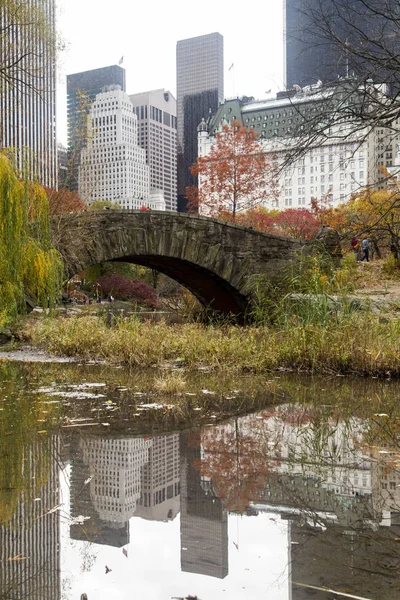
(82, 386)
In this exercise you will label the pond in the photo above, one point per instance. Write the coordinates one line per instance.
(105, 491)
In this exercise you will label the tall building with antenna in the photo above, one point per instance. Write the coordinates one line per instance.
(200, 87)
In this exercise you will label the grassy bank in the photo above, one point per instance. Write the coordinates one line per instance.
(355, 343)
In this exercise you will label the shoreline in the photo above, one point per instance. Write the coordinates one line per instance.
(359, 344)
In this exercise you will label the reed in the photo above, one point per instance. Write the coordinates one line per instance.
(350, 342)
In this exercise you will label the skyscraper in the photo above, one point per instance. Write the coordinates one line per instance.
(30, 540)
(112, 165)
(82, 89)
(160, 480)
(28, 87)
(156, 114)
(204, 520)
(200, 86)
(324, 41)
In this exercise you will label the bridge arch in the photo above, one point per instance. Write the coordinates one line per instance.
(213, 259)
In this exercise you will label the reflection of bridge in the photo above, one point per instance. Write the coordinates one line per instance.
(214, 260)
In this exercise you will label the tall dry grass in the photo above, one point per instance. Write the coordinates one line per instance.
(357, 343)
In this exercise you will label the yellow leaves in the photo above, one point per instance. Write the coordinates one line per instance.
(31, 267)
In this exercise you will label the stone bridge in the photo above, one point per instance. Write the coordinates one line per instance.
(216, 261)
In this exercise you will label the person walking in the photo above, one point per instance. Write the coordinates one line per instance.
(365, 249)
(355, 246)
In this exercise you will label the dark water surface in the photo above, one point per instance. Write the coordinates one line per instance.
(106, 490)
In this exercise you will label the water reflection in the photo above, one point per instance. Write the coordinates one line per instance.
(290, 502)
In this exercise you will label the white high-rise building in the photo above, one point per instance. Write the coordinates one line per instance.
(116, 484)
(157, 122)
(113, 165)
(160, 487)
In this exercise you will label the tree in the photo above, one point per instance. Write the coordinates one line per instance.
(358, 44)
(102, 204)
(29, 266)
(79, 137)
(372, 213)
(132, 290)
(63, 201)
(236, 175)
(297, 223)
(377, 214)
(22, 24)
(238, 460)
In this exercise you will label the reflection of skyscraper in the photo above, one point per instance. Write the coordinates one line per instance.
(160, 482)
(30, 542)
(200, 86)
(105, 486)
(204, 522)
(116, 463)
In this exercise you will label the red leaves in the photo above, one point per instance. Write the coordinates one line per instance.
(63, 201)
(298, 223)
(236, 175)
(126, 289)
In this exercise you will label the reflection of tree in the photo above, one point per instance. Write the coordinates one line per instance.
(25, 464)
(238, 459)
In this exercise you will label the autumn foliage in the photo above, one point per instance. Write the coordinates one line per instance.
(238, 460)
(63, 201)
(369, 213)
(236, 175)
(297, 223)
(126, 289)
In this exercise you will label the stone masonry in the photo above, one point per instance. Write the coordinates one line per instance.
(216, 261)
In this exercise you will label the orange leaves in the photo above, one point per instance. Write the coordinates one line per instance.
(236, 175)
(64, 201)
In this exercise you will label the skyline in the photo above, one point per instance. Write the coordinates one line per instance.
(150, 52)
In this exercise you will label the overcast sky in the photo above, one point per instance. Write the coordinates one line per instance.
(98, 33)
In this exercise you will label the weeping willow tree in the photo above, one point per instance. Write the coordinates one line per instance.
(27, 442)
(29, 266)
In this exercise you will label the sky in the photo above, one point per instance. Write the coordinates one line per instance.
(97, 33)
